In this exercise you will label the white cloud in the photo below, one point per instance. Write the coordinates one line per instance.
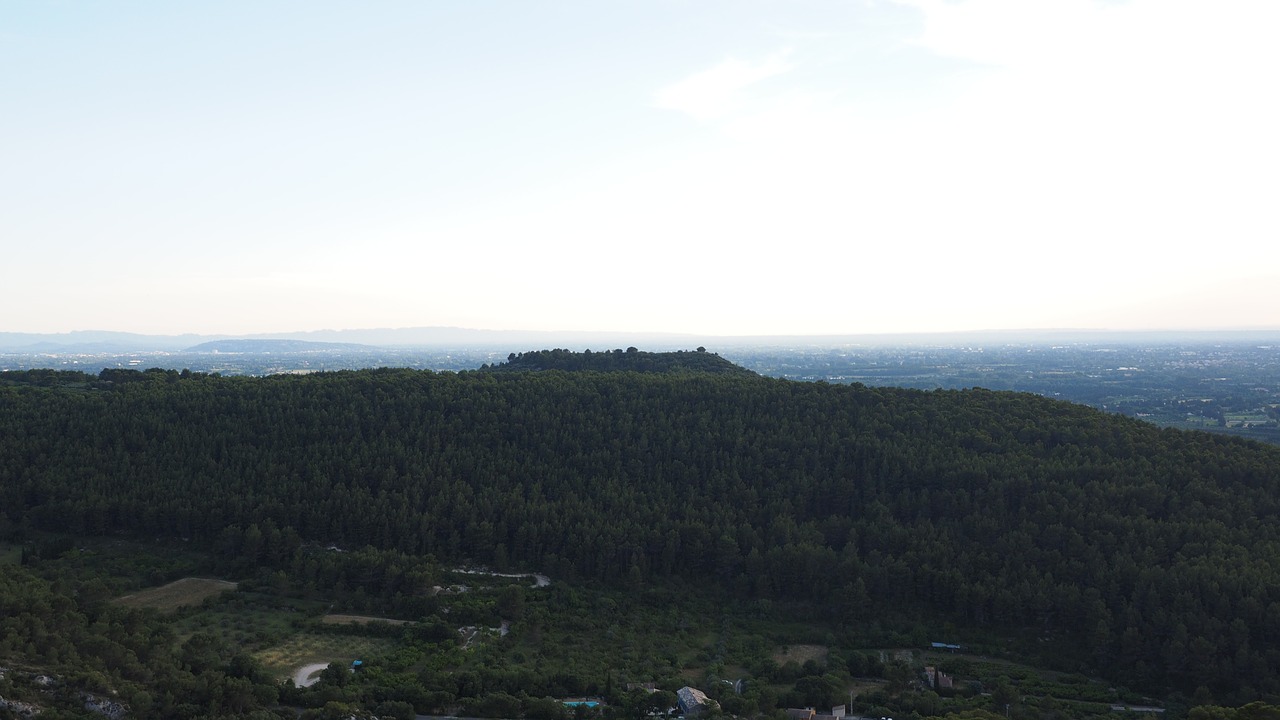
(925, 164)
(1144, 124)
(1084, 157)
(1083, 164)
(711, 94)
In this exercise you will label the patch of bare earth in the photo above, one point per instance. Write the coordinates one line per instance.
(179, 593)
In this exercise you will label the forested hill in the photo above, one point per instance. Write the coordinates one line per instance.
(619, 360)
(1151, 556)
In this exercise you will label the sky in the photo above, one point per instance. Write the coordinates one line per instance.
(717, 167)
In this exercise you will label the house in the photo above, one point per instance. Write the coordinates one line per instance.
(937, 679)
(837, 713)
(693, 701)
(800, 713)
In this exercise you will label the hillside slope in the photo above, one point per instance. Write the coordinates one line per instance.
(1151, 555)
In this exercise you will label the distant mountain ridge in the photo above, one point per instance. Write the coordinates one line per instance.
(274, 346)
(98, 341)
(103, 341)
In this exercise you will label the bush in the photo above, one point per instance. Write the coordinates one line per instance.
(395, 709)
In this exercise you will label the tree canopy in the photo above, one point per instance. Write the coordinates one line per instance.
(1149, 555)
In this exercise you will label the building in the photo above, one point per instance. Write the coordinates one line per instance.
(937, 679)
(837, 713)
(693, 701)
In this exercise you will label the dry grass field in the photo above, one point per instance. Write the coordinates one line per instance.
(179, 593)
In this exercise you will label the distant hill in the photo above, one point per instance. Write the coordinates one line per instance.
(454, 337)
(96, 341)
(273, 346)
(618, 360)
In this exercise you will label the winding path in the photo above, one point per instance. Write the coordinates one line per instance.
(538, 580)
(308, 675)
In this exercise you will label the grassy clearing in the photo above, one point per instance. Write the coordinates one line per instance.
(179, 593)
(306, 648)
(1030, 681)
(857, 686)
(359, 620)
(801, 653)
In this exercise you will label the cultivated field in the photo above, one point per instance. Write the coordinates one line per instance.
(179, 593)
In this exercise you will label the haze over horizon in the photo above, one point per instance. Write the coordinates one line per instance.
(452, 335)
(720, 168)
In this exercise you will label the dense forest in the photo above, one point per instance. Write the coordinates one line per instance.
(1149, 556)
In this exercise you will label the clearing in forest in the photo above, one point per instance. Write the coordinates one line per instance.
(359, 620)
(306, 649)
(10, 554)
(800, 653)
(179, 593)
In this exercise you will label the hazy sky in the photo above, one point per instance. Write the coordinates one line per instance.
(705, 166)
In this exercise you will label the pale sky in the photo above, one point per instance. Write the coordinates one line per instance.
(719, 167)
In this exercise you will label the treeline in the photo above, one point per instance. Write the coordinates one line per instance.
(119, 654)
(619, 360)
(1148, 555)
